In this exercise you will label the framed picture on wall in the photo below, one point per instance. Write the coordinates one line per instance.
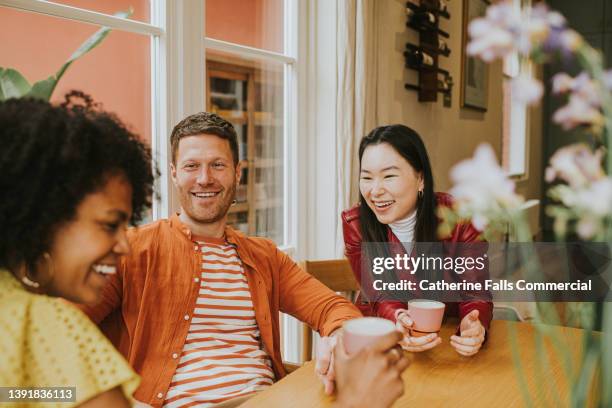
(474, 72)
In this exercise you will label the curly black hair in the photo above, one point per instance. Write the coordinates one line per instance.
(51, 158)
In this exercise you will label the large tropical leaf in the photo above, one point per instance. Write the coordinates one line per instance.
(43, 89)
(1, 92)
(13, 84)
(90, 44)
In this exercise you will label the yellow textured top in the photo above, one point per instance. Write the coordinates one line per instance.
(46, 342)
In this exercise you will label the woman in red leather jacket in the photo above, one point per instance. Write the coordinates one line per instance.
(398, 204)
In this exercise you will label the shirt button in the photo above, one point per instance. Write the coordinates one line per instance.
(196, 279)
(186, 317)
(160, 395)
(174, 355)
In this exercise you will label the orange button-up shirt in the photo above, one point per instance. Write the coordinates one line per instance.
(147, 306)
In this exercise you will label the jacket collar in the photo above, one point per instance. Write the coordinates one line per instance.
(231, 235)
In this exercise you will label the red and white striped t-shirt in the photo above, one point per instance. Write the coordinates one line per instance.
(223, 357)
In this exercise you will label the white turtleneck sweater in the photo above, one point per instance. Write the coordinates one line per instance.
(404, 228)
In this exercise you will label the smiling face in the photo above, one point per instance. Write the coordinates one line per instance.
(388, 183)
(86, 250)
(206, 179)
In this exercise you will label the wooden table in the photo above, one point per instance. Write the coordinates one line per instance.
(442, 377)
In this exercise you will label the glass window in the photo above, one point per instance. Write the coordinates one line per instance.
(250, 95)
(254, 23)
(141, 8)
(116, 73)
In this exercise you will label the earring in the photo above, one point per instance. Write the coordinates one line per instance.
(420, 194)
(50, 269)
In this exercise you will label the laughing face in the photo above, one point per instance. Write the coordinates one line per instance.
(86, 250)
(388, 183)
(206, 178)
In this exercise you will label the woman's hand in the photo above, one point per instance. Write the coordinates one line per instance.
(324, 367)
(413, 344)
(472, 335)
(370, 378)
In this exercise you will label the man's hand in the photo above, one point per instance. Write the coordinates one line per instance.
(324, 367)
(472, 335)
(372, 377)
(413, 344)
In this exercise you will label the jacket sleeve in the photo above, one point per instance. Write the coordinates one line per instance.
(352, 250)
(307, 299)
(111, 297)
(481, 301)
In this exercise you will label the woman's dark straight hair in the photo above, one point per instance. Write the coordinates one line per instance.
(409, 145)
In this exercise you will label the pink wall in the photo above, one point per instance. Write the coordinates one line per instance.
(116, 73)
(256, 23)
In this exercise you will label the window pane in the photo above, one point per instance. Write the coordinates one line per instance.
(250, 95)
(141, 7)
(256, 23)
(116, 73)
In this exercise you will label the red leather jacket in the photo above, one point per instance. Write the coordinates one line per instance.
(387, 308)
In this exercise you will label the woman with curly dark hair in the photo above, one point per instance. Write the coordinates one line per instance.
(72, 178)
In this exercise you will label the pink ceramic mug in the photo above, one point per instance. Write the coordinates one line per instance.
(361, 332)
(426, 314)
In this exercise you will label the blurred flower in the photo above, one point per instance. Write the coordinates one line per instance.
(582, 85)
(576, 164)
(597, 198)
(489, 42)
(505, 28)
(590, 205)
(608, 79)
(482, 190)
(526, 89)
(570, 40)
(578, 111)
(562, 83)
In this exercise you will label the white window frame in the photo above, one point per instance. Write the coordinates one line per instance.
(290, 336)
(289, 60)
(518, 147)
(178, 72)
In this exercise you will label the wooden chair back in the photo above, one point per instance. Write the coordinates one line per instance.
(337, 275)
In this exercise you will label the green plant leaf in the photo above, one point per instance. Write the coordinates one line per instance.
(87, 46)
(13, 84)
(43, 89)
(1, 92)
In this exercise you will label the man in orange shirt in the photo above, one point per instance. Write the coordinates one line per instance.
(195, 306)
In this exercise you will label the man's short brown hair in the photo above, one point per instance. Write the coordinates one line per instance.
(204, 123)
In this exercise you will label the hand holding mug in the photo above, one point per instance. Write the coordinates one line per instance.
(371, 376)
(414, 343)
(324, 367)
(472, 335)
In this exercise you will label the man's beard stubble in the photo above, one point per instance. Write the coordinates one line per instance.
(223, 208)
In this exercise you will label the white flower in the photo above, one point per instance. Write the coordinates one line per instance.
(526, 89)
(482, 189)
(582, 86)
(571, 40)
(488, 41)
(562, 83)
(505, 28)
(587, 227)
(597, 198)
(608, 79)
(578, 111)
(576, 164)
